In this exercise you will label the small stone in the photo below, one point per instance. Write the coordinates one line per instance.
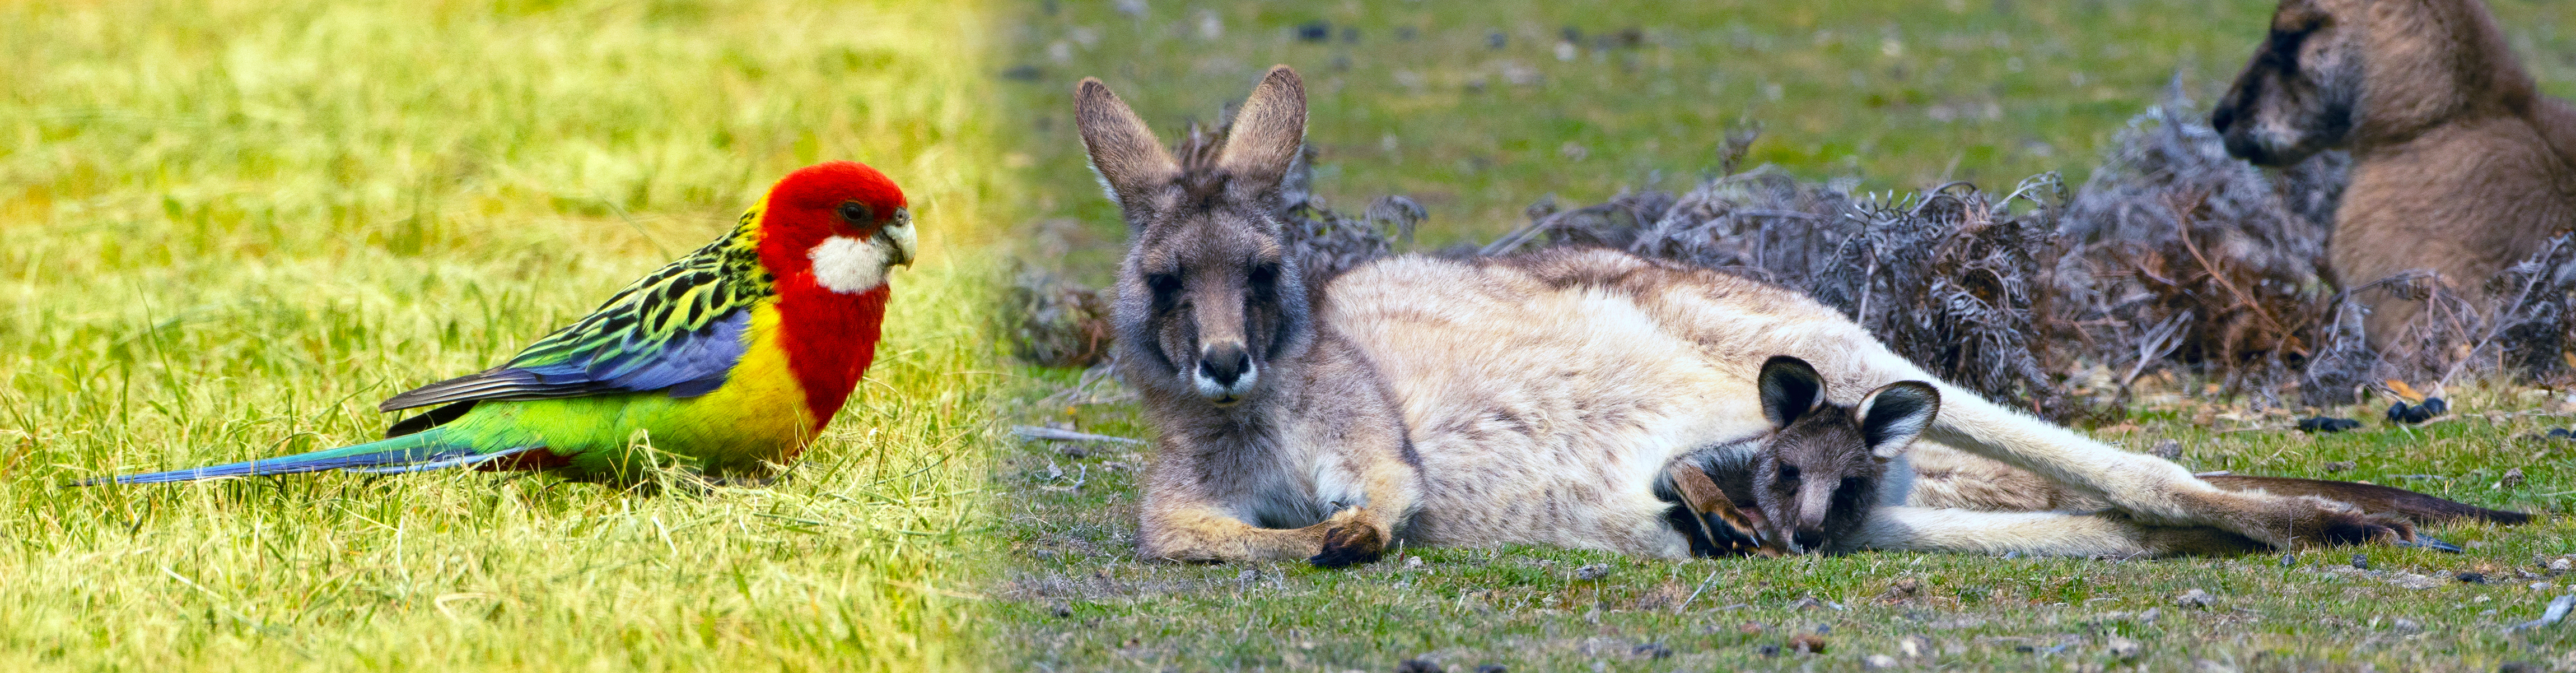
(2361, 561)
(1413, 561)
(1419, 666)
(1877, 662)
(1060, 610)
(2289, 559)
(2167, 449)
(2339, 466)
(2123, 648)
(2407, 625)
(2195, 599)
(2540, 586)
(1807, 643)
(2562, 564)
(2512, 479)
(2149, 617)
(1915, 647)
(1592, 572)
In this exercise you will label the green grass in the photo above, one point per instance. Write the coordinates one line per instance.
(228, 228)
(1898, 95)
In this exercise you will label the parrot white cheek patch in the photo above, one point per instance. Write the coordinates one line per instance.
(848, 265)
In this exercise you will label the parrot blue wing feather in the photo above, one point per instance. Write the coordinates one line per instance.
(680, 330)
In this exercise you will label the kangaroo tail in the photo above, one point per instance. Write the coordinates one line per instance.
(2372, 498)
(407, 453)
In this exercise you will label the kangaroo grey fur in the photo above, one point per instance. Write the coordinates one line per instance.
(1534, 399)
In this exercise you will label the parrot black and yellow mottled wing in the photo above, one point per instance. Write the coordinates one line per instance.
(678, 330)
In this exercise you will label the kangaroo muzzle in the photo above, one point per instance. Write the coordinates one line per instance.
(1225, 373)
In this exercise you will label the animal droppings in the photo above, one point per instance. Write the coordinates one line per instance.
(1807, 643)
(2471, 578)
(2410, 414)
(2360, 562)
(1314, 31)
(2325, 424)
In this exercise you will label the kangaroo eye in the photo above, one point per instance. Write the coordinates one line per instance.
(1788, 473)
(1851, 483)
(857, 213)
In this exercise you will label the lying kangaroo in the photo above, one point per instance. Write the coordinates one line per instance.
(1815, 482)
(1535, 399)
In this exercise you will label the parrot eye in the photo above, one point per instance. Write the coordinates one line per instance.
(856, 213)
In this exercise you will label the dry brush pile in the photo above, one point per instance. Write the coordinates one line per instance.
(2172, 257)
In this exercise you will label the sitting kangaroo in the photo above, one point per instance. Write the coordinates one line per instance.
(1534, 399)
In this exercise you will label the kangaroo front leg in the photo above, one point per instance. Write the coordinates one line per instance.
(2039, 533)
(1199, 534)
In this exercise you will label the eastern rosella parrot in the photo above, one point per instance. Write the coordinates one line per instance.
(725, 362)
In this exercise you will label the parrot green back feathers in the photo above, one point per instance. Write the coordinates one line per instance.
(729, 360)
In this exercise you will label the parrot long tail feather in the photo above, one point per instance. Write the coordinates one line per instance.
(407, 453)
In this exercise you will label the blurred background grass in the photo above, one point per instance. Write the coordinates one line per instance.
(228, 228)
(1478, 109)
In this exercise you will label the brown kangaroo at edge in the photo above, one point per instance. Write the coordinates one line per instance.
(2460, 165)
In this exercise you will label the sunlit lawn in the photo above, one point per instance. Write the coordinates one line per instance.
(228, 228)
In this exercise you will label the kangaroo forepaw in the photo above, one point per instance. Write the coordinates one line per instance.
(1349, 544)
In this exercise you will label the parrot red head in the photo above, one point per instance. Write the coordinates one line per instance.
(839, 223)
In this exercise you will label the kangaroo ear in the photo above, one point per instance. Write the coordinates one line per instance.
(1266, 133)
(1893, 415)
(1790, 389)
(1131, 163)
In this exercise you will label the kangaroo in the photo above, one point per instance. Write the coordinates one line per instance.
(1818, 478)
(2460, 165)
(1814, 480)
(1534, 399)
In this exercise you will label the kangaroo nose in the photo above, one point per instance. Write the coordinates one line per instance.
(1810, 539)
(1224, 363)
(2220, 119)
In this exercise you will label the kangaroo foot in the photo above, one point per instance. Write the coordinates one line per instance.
(1351, 542)
(1727, 530)
(2353, 526)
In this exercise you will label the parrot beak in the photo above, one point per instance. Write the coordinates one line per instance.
(900, 232)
